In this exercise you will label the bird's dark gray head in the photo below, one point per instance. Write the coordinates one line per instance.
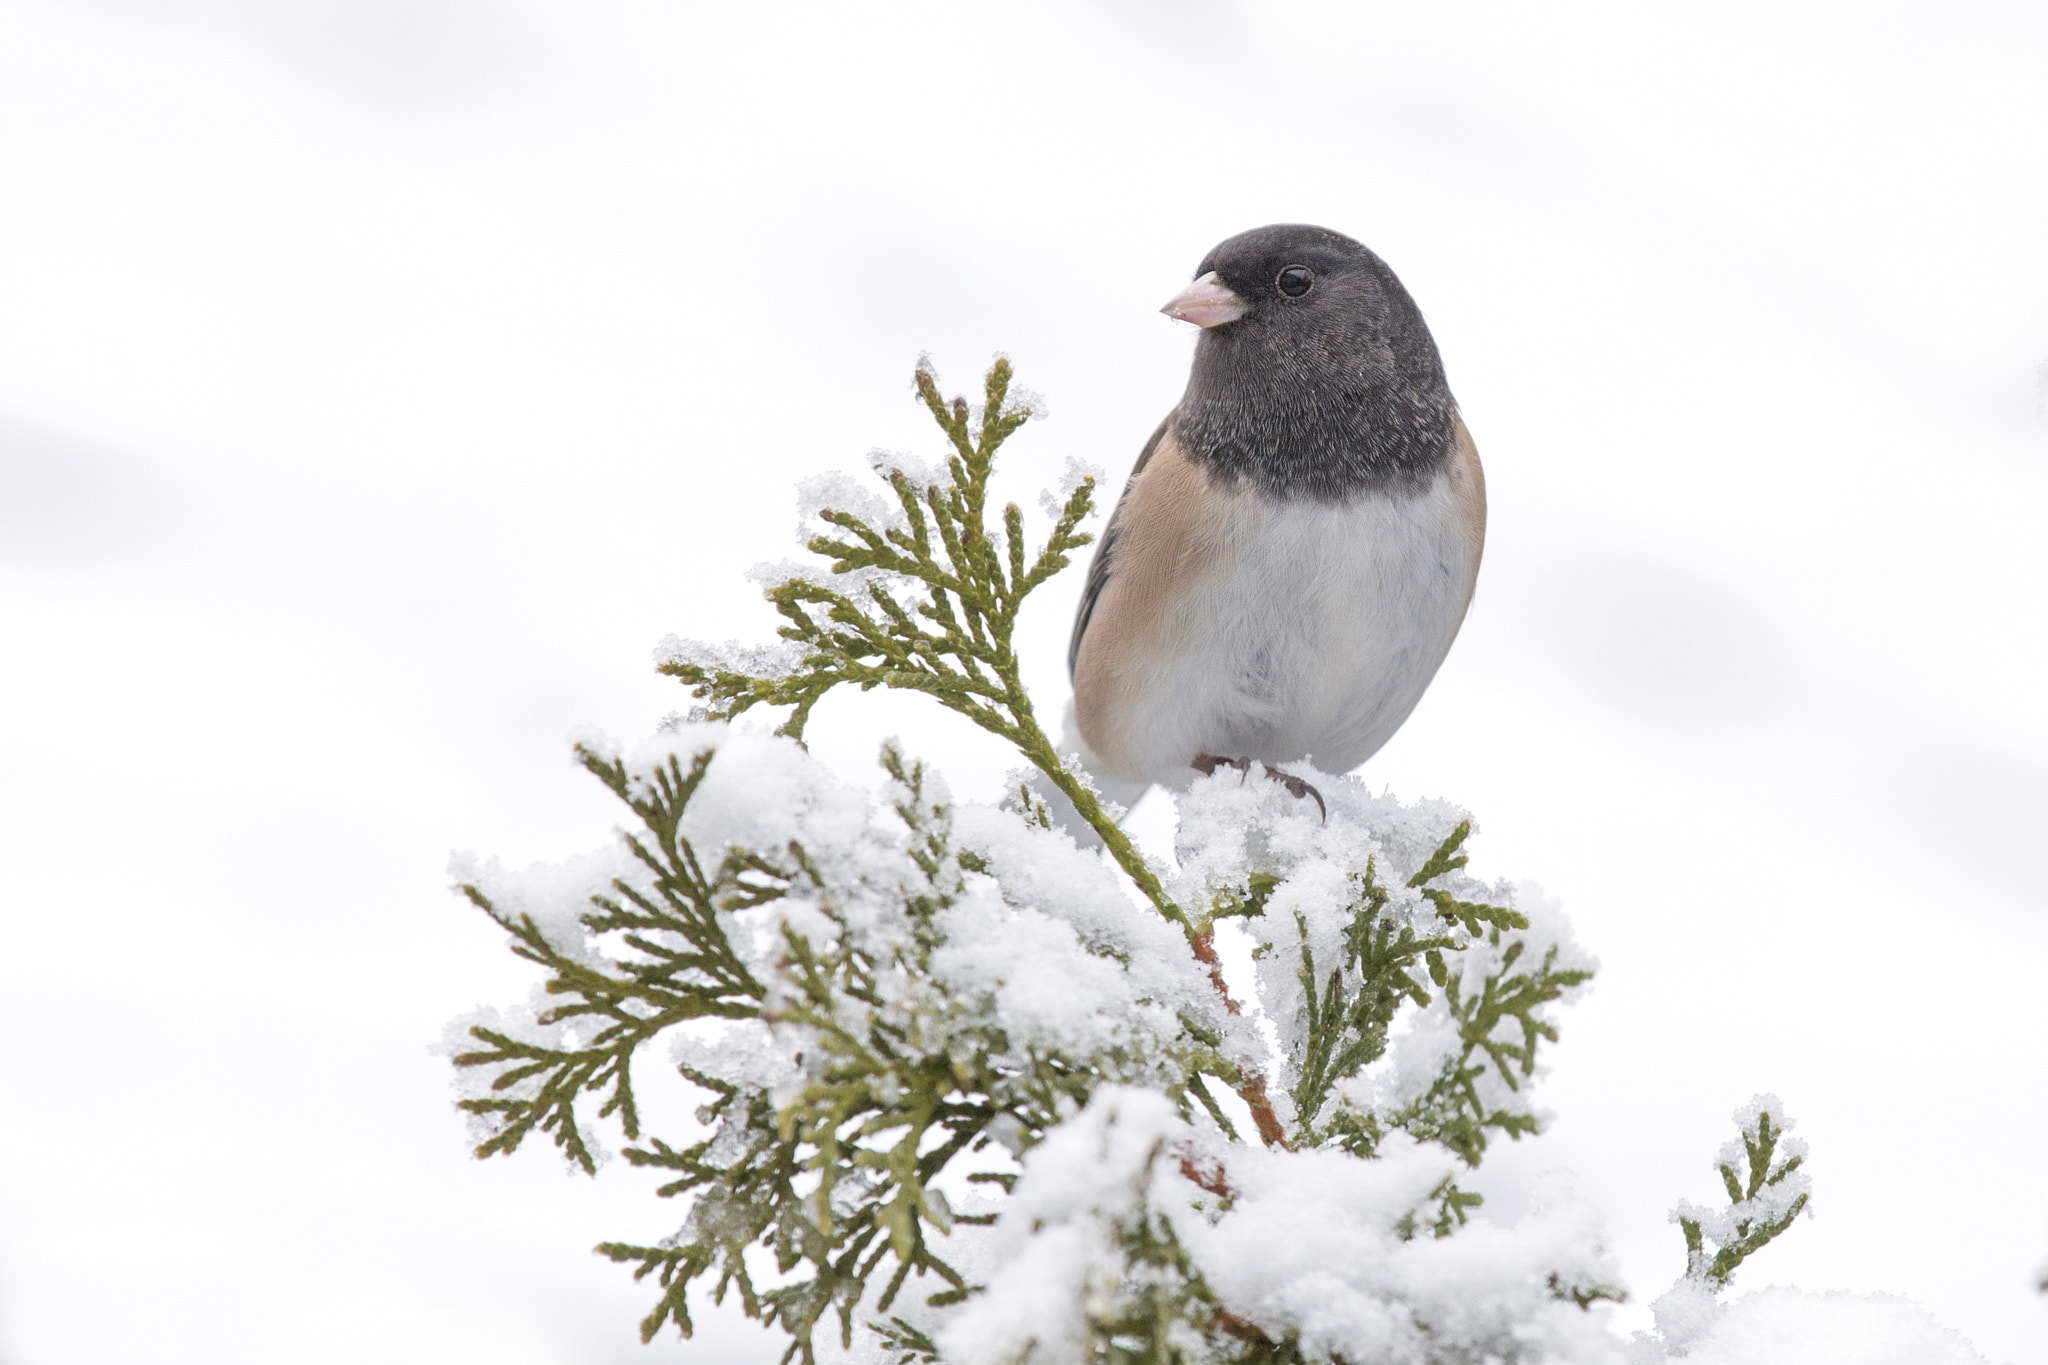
(1314, 375)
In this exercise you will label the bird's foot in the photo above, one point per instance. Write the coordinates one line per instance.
(1205, 764)
(1297, 788)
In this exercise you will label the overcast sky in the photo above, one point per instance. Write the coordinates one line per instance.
(379, 381)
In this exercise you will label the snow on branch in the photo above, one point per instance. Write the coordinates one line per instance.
(1762, 1170)
(968, 1089)
(1766, 1188)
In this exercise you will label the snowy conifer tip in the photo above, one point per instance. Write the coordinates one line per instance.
(973, 1094)
(1761, 1170)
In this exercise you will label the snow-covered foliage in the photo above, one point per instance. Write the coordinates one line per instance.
(889, 999)
(1762, 1172)
(1761, 1169)
(974, 1094)
(1766, 1191)
(1127, 1215)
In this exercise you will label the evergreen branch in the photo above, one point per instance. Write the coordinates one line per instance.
(891, 1103)
(1349, 1010)
(1446, 858)
(1455, 1111)
(547, 1082)
(971, 595)
(1766, 1190)
(883, 1072)
(1453, 1205)
(1470, 914)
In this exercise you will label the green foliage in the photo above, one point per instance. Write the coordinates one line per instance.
(1471, 914)
(1350, 1009)
(1456, 1111)
(685, 969)
(1164, 1307)
(831, 1175)
(1766, 1190)
(951, 637)
(834, 1182)
(1390, 960)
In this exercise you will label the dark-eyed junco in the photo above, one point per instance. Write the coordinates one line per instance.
(1295, 550)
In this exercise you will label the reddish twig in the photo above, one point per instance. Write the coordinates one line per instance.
(1251, 1088)
(1209, 1176)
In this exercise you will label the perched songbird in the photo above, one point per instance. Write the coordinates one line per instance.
(1295, 550)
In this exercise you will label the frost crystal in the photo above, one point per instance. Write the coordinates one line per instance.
(1078, 474)
(778, 660)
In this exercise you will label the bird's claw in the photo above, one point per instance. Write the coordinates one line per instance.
(1297, 788)
(1205, 764)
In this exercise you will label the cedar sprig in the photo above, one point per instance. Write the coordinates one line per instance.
(1348, 1011)
(835, 1183)
(951, 634)
(683, 968)
(1766, 1188)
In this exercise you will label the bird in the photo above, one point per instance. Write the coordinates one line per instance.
(1297, 546)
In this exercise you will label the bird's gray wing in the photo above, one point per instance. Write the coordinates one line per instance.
(1099, 568)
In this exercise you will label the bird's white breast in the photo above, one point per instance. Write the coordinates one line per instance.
(1288, 630)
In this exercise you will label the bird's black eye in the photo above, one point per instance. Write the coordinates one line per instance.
(1295, 281)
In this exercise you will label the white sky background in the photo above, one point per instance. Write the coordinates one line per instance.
(378, 381)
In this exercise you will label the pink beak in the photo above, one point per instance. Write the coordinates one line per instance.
(1208, 302)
